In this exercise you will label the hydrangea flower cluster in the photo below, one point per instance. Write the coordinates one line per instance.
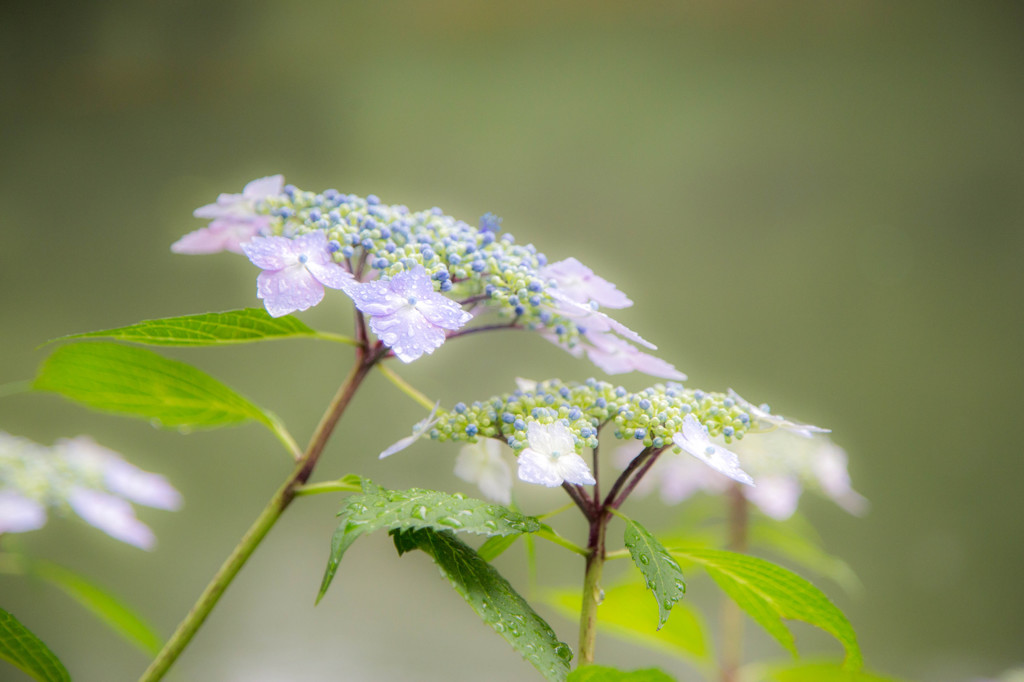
(785, 458)
(77, 475)
(420, 276)
(547, 424)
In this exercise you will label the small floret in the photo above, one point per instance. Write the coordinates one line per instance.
(695, 440)
(407, 314)
(235, 220)
(295, 271)
(550, 458)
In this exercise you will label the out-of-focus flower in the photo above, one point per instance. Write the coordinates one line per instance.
(295, 271)
(783, 463)
(235, 219)
(481, 463)
(763, 419)
(616, 356)
(579, 283)
(407, 314)
(551, 458)
(77, 475)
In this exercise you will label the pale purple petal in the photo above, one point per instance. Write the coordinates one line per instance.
(694, 440)
(407, 314)
(119, 476)
(376, 298)
(112, 515)
(220, 235)
(261, 188)
(581, 284)
(776, 496)
(408, 333)
(421, 428)
(19, 514)
(537, 468)
(594, 320)
(332, 275)
(443, 312)
(829, 467)
(226, 205)
(617, 356)
(285, 291)
(481, 463)
(271, 253)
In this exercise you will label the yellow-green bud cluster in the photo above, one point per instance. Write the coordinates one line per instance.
(652, 415)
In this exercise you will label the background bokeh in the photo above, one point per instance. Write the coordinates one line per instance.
(820, 204)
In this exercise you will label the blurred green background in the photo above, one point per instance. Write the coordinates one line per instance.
(819, 204)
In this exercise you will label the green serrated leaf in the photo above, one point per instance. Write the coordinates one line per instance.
(378, 508)
(661, 572)
(27, 652)
(601, 673)
(627, 612)
(209, 329)
(111, 610)
(769, 593)
(139, 383)
(495, 601)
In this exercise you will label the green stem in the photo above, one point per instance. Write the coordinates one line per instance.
(264, 522)
(405, 387)
(732, 615)
(339, 486)
(551, 536)
(592, 589)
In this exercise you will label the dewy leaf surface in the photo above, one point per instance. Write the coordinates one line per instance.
(494, 600)
(27, 652)
(769, 593)
(134, 381)
(382, 509)
(209, 329)
(661, 572)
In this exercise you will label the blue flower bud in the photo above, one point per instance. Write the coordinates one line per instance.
(471, 430)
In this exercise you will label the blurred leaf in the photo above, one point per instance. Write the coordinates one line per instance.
(600, 673)
(792, 541)
(138, 382)
(661, 572)
(378, 508)
(493, 599)
(627, 612)
(769, 593)
(808, 672)
(108, 608)
(496, 546)
(209, 329)
(27, 652)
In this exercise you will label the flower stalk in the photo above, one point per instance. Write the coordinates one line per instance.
(280, 501)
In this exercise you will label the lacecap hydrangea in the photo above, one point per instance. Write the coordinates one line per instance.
(420, 276)
(548, 424)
